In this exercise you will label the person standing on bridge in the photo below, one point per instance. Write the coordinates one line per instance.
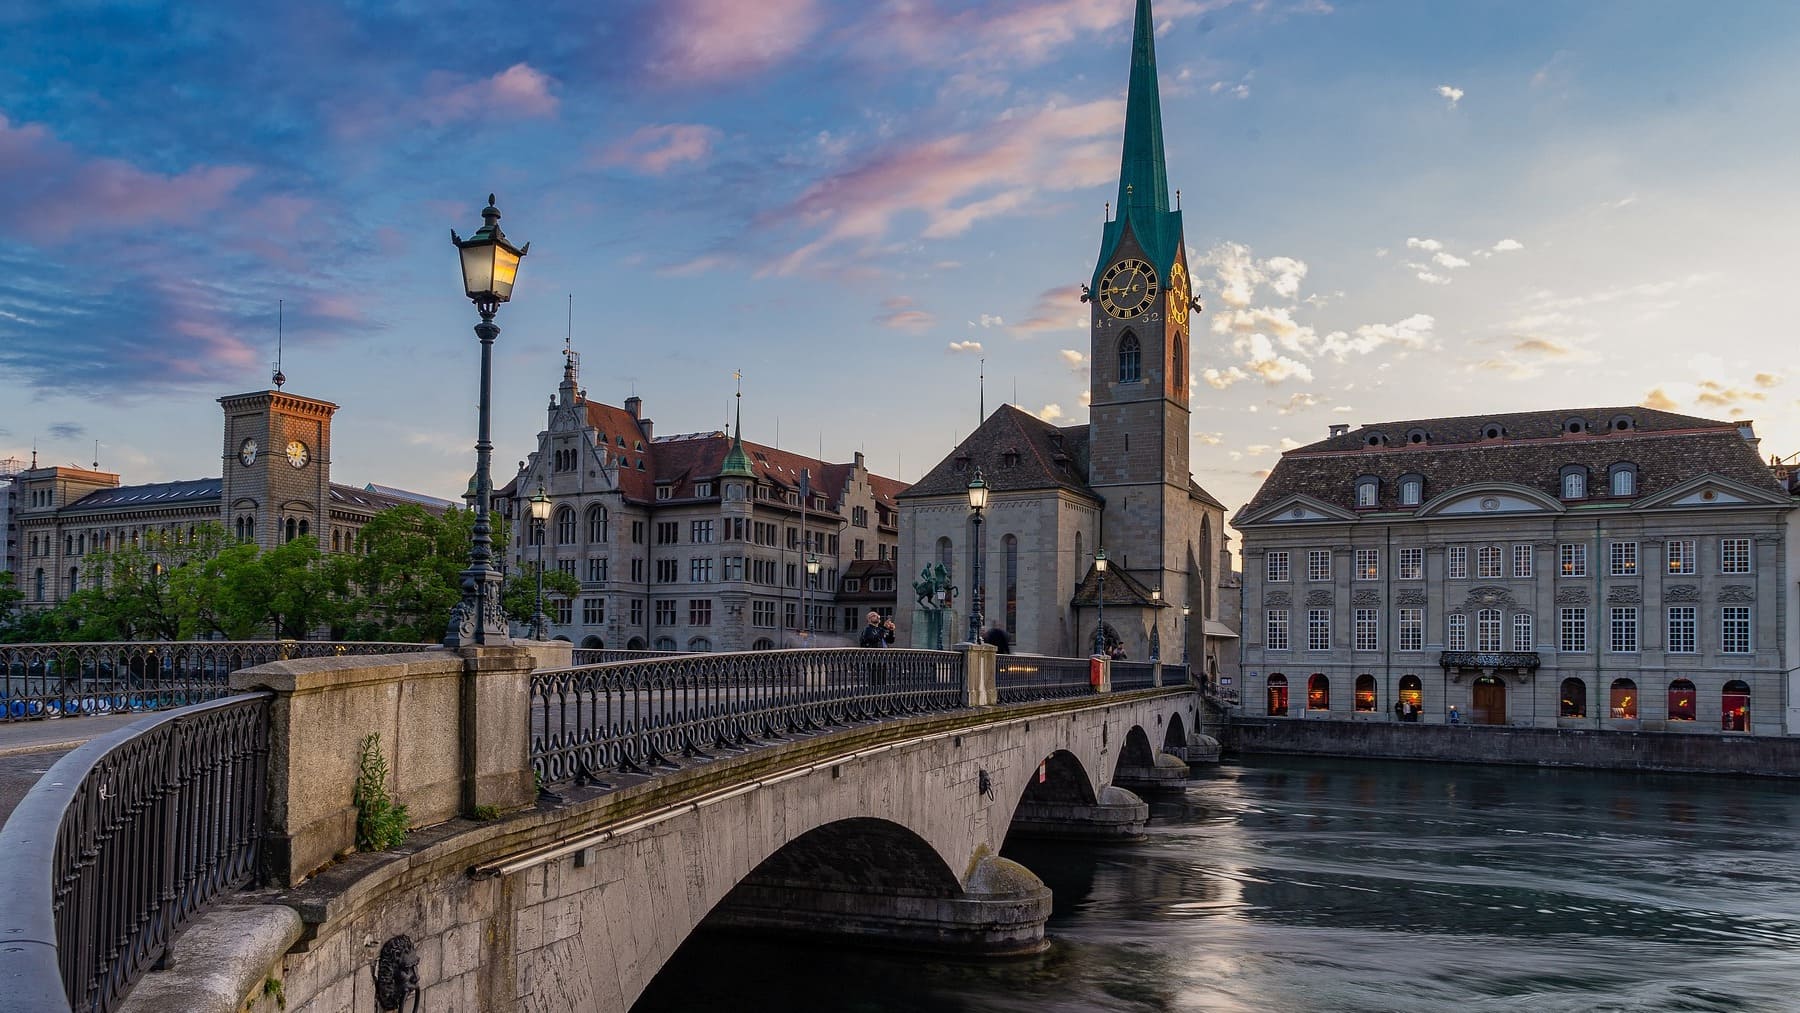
(998, 637)
(877, 633)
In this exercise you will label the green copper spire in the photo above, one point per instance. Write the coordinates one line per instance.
(1143, 173)
(737, 463)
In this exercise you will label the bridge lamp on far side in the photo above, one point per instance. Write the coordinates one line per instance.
(1186, 611)
(540, 514)
(1156, 623)
(490, 265)
(978, 500)
(812, 578)
(1100, 601)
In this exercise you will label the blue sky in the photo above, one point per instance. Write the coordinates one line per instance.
(1396, 210)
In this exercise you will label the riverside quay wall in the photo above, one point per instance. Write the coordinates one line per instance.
(1531, 747)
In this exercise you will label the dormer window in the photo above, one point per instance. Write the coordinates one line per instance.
(1375, 440)
(1368, 492)
(1575, 427)
(1010, 458)
(1492, 431)
(664, 492)
(1574, 482)
(703, 489)
(1622, 424)
(1412, 489)
(1624, 480)
(1417, 437)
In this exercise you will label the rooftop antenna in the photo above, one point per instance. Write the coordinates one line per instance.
(96, 455)
(280, 321)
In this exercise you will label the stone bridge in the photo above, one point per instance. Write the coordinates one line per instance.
(888, 829)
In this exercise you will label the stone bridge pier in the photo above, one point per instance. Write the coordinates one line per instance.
(889, 832)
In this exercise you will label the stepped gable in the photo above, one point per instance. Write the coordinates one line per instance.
(1666, 448)
(1014, 451)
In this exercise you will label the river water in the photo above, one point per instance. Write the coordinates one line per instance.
(1338, 885)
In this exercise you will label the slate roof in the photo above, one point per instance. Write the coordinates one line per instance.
(376, 499)
(1015, 451)
(1122, 589)
(197, 490)
(1667, 449)
(405, 496)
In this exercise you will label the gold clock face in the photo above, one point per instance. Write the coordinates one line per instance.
(1128, 288)
(247, 452)
(1178, 295)
(296, 454)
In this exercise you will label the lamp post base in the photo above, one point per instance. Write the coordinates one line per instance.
(478, 619)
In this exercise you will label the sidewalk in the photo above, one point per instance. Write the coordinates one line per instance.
(62, 734)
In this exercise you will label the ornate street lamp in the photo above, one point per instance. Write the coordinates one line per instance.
(978, 498)
(540, 514)
(1156, 623)
(1186, 611)
(1100, 602)
(490, 264)
(812, 575)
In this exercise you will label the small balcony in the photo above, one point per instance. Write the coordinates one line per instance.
(1524, 661)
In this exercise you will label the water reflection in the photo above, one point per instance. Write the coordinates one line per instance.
(1330, 885)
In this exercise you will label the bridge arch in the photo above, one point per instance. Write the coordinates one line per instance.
(1175, 735)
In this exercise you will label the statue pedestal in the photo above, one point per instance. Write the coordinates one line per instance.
(929, 632)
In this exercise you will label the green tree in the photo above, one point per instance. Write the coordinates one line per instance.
(406, 573)
(519, 598)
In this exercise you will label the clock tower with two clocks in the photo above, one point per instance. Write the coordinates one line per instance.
(276, 484)
(1142, 304)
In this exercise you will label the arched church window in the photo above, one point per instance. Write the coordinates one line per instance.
(596, 523)
(1180, 376)
(565, 526)
(303, 528)
(1130, 355)
(292, 529)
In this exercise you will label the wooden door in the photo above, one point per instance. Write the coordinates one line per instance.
(1490, 701)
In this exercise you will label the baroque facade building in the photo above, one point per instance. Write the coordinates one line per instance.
(275, 487)
(1606, 568)
(1121, 483)
(698, 541)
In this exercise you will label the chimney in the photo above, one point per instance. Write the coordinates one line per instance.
(1340, 428)
(1748, 431)
(859, 462)
(634, 405)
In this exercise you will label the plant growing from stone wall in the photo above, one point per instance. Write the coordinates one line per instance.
(380, 824)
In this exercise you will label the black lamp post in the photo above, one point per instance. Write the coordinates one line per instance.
(1186, 611)
(1156, 623)
(540, 514)
(489, 266)
(978, 497)
(1100, 602)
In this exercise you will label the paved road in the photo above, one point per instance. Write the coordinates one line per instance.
(28, 748)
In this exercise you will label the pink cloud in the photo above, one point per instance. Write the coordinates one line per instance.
(1026, 32)
(655, 149)
(710, 40)
(960, 179)
(65, 194)
(519, 90)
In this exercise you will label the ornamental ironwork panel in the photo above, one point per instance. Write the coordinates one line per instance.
(1527, 660)
(44, 681)
(1133, 675)
(125, 841)
(603, 655)
(592, 721)
(1022, 677)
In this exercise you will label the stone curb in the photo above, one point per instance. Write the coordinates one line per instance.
(220, 962)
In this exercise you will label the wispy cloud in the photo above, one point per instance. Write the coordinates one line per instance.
(656, 149)
(1076, 361)
(1056, 309)
(518, 91)
(1450, 94)
(706, 41)
(964, 346)
(902, 315)
(66, 430)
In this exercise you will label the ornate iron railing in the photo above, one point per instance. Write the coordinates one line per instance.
(39, 681)
(122, 843)
(1522, 660)
(606, 655)
(595, 720)
(1021, 677)
(1175, 675)
(1133, 675)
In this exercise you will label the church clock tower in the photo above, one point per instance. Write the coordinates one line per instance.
(1141, 303)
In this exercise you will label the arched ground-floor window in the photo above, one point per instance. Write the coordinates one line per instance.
(634, 644)
(763, 644)
(1682, 699)
(1624, 701)
(700, 645)
(1278, 695)
(591, 642)
(1574, 699)
(1734, 704)
(1365, 693)
(1318, 692)
(665, 643)
(1412, 697)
